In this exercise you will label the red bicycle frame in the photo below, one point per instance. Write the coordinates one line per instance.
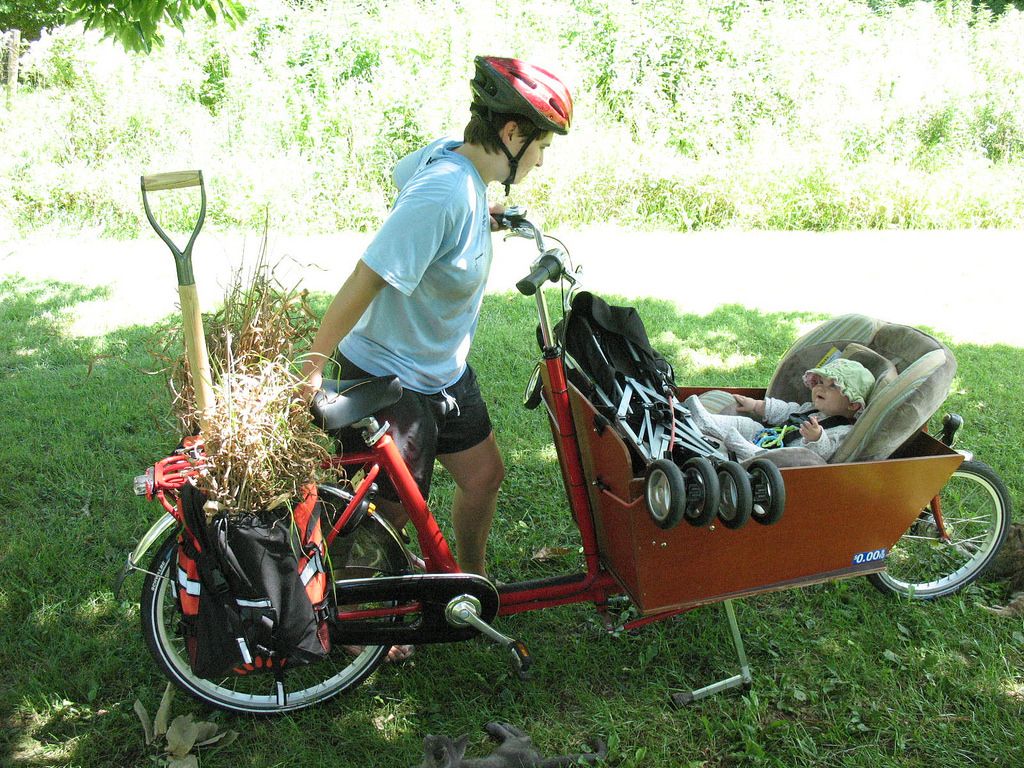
(594, 584)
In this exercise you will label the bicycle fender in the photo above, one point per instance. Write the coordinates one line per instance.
(156, 533)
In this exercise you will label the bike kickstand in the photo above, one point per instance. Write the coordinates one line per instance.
(742, 680)
(464, 611)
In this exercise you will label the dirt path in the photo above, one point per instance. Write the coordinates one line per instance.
(964, 283)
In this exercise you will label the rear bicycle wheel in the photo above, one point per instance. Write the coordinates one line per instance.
(976, 513)
(369, 550)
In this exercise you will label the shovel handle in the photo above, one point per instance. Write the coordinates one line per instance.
(176, 180)
(173, 180)
(191, 318)
(195, 350)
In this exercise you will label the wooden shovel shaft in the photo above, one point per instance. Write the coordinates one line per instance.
(191, 318)
(195, 350)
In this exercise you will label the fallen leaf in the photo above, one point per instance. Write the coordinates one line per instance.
(181, 736)
(163, 713)
(205, 733)
(147, 724)
(550, 553)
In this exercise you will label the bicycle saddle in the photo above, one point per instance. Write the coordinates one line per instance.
(341, 404)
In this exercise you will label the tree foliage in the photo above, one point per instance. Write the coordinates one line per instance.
(30, 17)
(135, 23)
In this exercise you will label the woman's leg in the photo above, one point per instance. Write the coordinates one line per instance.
(478, 472)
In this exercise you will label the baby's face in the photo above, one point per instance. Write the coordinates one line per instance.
(828, 398)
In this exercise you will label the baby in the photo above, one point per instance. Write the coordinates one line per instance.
(839, 392)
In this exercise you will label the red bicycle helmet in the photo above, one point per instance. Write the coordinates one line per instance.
(511, 86)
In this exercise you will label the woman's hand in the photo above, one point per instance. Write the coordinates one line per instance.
(497, 210)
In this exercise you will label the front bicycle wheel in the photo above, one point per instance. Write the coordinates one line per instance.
(976, 514)
(367, 551)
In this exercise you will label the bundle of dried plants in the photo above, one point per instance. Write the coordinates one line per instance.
(261, 445)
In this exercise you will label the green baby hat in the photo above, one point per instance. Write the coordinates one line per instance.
(854, 380)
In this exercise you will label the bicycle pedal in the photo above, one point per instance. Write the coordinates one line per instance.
(464, 611)
(522, 661)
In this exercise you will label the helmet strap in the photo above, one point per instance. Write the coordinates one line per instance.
(513, 162)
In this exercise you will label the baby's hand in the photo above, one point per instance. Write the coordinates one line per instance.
(746, 404)
(811, 430)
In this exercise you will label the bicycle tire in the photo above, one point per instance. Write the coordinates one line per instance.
(255, 693)
(976, 512)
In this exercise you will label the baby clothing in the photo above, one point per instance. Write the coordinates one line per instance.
(737, 433)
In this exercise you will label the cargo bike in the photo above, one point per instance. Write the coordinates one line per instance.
(922, 520)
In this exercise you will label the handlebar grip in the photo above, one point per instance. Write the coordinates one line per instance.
(511, 222)
(173, 180)
(548, 268)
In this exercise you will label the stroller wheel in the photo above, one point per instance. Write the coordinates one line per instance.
(703, 491)
(665, 493)
(737, 496)
(769, 491)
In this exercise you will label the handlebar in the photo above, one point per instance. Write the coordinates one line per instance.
(550, 264)
(548, 267)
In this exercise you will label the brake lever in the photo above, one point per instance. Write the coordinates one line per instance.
(514, 221)
(517, 232)
(512, 218)
(575, 281)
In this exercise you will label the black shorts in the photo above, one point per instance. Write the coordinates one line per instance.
(424, 426)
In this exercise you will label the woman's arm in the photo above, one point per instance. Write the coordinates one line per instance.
(346, 308)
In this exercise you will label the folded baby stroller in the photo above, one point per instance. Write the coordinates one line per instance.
(610, 360)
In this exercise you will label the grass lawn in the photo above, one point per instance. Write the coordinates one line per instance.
(843, 675)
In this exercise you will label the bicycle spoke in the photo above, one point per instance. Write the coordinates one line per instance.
(976, 516)
(374, 552)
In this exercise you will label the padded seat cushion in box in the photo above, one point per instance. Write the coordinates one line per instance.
(913, 372)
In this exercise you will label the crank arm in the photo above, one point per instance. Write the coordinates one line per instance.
(465, 611)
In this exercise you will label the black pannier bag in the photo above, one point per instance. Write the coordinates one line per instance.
(253, 590)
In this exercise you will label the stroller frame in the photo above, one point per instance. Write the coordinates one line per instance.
(687, 476)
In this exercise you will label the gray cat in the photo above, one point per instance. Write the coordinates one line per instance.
(515, 751)
(1009, 565)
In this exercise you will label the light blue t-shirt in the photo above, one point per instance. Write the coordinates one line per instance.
(434, 251)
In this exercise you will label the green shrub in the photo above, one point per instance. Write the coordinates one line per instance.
(689, 114)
